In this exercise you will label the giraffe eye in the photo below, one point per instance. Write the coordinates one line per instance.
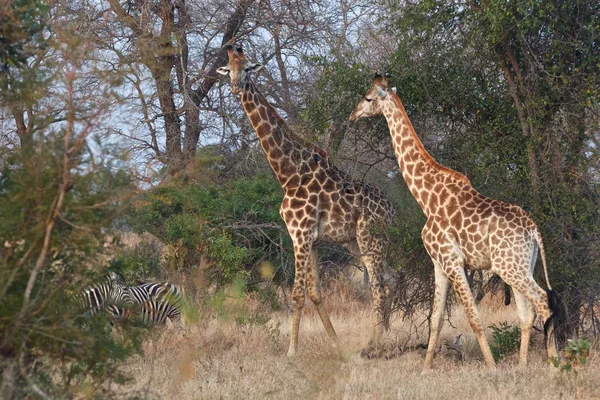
(368, 99)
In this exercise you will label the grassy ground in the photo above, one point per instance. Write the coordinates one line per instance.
(218, 357)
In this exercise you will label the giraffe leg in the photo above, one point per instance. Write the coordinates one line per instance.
(457, 277)
(437, 314)
(524, 284)
(302, 255)
(371, 257)
(526, 317)
(314, 292)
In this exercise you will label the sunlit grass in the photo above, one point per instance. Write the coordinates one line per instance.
(219, 357)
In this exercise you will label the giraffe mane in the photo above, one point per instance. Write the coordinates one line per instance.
(294, 136)
(428, 158)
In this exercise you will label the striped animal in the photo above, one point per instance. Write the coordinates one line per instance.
(153, 302)
(157, 301)
(110, 294)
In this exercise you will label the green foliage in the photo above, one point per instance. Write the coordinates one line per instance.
(57, 200)
(505, 95)
(576, 355)
(140, 263)
(50, 334)
(234, 225)
(506, 340)
(21, 26)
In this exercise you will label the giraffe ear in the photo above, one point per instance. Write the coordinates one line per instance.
(380, 92)
(394, 89)
(254, 67)
(223, 71)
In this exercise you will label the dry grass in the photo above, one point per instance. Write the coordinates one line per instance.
(218, 358)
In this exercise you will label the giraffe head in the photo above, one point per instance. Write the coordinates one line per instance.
(370, 105)
(238, 68)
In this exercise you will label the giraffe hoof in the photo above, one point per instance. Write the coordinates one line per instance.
(291, 352)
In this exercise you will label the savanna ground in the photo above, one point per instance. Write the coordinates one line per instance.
(241, 353)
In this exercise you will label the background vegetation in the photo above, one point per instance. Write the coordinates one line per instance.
(120, 148)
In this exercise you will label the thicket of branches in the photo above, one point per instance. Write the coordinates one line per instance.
(113, 120)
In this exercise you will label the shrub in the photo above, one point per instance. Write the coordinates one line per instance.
(506, 340)
(575, 354)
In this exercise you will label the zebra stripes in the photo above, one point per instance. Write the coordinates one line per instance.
(153, 302)
(157, 301)
(108, 294)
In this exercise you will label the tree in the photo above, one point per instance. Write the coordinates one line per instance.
(60, 186)
(517, 83)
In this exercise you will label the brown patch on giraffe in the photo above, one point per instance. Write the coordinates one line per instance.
(292, 183)
(451, 207)
(444, 223)
(456, 220)
(314, 186)
(254, 118)
(425, 198)
(263, 113)
(297, 203)
(329, 185)
(443, 196)
(302, 193)
(324, 199)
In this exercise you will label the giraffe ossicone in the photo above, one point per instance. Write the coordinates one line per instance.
(321, 203)
(466, 229)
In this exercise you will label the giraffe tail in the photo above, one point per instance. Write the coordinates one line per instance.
(540, 243)
(556, 324)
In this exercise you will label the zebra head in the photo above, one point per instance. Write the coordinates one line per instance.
(118, 292)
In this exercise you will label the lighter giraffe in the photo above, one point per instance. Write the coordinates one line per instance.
(320, 203)
(466, 229)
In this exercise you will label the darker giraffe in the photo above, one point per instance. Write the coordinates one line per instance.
(320, 202)
(465, 229)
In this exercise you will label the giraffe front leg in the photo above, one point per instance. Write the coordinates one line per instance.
(302, 255)
(437, 313)
(455, 272)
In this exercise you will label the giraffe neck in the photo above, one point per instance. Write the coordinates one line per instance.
(423, 175)
(282, 150)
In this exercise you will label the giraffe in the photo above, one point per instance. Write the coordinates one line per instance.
(320, 203)
(466, 229)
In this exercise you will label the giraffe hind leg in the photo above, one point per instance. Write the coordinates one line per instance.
(526, 318)
(314, 292)
(371, 257)
(537, 298)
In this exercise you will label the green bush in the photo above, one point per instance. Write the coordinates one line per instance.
(506, 340)
(140, 263)
(576, 354)
(233, 226)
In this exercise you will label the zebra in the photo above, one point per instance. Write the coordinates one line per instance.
(154, 302)
(111, 294)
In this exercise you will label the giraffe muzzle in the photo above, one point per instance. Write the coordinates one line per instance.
(354, 116)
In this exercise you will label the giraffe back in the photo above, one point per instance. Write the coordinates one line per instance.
(323, 196)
